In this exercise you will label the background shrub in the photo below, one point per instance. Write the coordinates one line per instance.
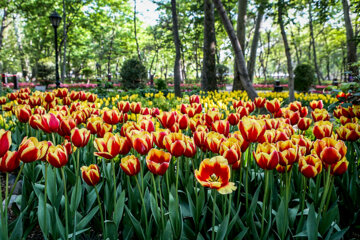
(304, 77)
(133, 74)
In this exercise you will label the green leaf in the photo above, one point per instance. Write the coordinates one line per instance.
(137, 225)
(76, 196)
(223, 228)
(326, 221)
(85, 220)
(241, 235)
(311, 224)
(77, 233)
(17, 232)
(59, 225)
(339, 235)
(155, 210)
(281, 222)
(175, 216)
(167, 234)
(51, 185)
(119, 209)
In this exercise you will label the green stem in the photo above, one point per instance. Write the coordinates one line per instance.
(247, 177)
(264, 201)
(213, 216)
(161, 203)
(66, 205)
(114, 181)
(101, 212)
(329, 195)
(155, 191)
(143, 202)
(326, 189)
(45, 201)
(53, 138)
(4, 232)
(240, 179)
(177, 180)
(16, 180)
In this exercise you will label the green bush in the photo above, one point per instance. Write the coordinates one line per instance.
(133, 74)
(221, 72)
(304, 77)
(160, 84)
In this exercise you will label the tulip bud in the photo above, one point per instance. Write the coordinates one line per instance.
(5, 141)
(57, 156)
(91, 174)
(130, 165)
(266, 156)
(158, 161)
(9, 162)
(80, 137)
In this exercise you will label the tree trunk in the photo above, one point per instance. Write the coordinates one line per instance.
(3, 26)
(312, 41)
(296, 47)
(177, 65)
(135, 32)
(196, 61)
(63, 72)
(241, 33)
(287, 51)
(241, 64)
(20, 48)
(208, 76)
(254, 44)
(350, 40)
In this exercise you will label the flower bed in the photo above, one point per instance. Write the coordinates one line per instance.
(203, 166)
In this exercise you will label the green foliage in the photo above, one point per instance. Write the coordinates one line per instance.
(221, 72)
(304, 77)
(160, 84)
(133, 74)
(45, 72)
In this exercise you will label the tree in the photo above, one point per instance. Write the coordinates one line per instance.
(351, 43)
(241, 65)
(312, 42)
(208, 76)
(287, 50)
(177, 65)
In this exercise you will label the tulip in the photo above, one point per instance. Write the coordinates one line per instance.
(250, 106)
(304, 144)
(128, 127)
(242, 111)
(194, 99)
(141, 141)
(222, 127)
(357, 111)
(49, 97)
(130, 165)
(304, 123)
(23, 95)
(231, 150)
(80, 137)
(233, 118)
(5, 141)
(259, 102)
(190, 150)
(69, 147)
(74, 95)
(288, 152)
(320, 115)
(91, 174)
(266, 156)
(147, 125)
(215, 173)
(197, 107)
(294, 117)
(295, 106)
(82, 96)
(322, 129)
(342, 96)
(9, 162)
(316, 104)
(109, 146)
(167, 119)
(35, 101)
(214, 141)
(347, 112)
(158, 137)
(349, 132)
(345, 120)
(237, 104)
(49, 123)
(145, 111)
(303, 112)
(40, 111)
(211, 117)
(158, 161)
(175, 144)
(91, 97)
(272, 123)
(183, 121)
(281, 169)
(340, 167)
(23, 113)
(111, 117)
(155, 112)
(135, 107)
(66, 101)
(337, 112)
(330, 150)
(30, 150)
(310, 166)
(102, 128)
(241, 141)
(251, 129)
(200, 140)
(57, 156)
(123, 106)
(66, 125)
(273, 106)
(269, 136)
(92, 123)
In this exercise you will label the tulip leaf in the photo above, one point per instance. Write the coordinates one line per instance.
(154, 209)
(339, 235)
(59, 225)
(17, 232)
(76, 196)
(51, 185)
(119, 209)
(78, 233)
(111, 232)
(223, 228)
(137, 225)
(85, 220)
(167, 234)
(328, 218)
(281, 222)
(241, 235)
(311, 224)
(175, 216)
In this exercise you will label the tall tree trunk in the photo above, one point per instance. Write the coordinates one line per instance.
(3, 26)
(208, 80)
(350, 40)
(241, 33)
(196, 61)
(63, 72)
(287, 51)
(312, 41)
(241, 64)
(135, 32)
(254, 44)
(177, 65)
(296, 47)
